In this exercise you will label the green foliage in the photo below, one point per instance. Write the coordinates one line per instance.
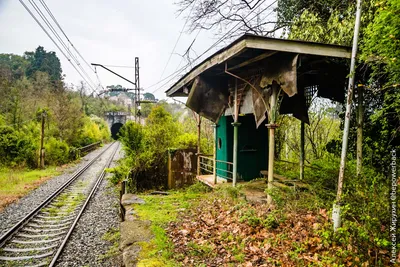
(94, 130)
(43, 61)
(149, 96)
(57, 152)
(15, 147)
(31, 83)
(198, 187)
(381, 44)
(16, 64)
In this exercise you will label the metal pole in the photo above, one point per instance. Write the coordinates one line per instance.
(236, 125)
(271, 148)
(302, 154)
(336, 207)
(215, 154)
(198, 143)
(360, 121)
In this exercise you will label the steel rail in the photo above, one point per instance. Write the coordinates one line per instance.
(5, 237)
(92, 192)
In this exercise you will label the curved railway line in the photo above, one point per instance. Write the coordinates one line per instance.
(39, 238)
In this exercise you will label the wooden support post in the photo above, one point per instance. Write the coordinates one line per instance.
(302, 152)
(43, 116)
(170, 178)
(360, 122)
(271, 126)
(198, 143)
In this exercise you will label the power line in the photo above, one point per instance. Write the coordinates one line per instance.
(177, 40)
(58, 25)
(50, 26)
(51, 38)
(212, 46)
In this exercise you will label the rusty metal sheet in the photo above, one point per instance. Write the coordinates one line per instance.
(281, 68)
(183, 167)
(207, 99)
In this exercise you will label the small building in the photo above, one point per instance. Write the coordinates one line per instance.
(242, 88)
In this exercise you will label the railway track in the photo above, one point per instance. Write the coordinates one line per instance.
(39, 238)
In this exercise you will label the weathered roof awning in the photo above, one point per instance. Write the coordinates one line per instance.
(257, 61)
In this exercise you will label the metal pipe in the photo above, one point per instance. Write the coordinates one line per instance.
(235, 150)
(95, 64)
(302, 154)
(271, 148)
(215, 154)
(336, 207)
(235, 125)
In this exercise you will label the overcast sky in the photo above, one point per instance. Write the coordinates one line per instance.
(109, 33)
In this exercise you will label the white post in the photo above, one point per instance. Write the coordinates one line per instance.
(336, 207)
(236, 125)
(271, 147)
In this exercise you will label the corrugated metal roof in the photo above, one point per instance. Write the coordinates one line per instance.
(249, 47)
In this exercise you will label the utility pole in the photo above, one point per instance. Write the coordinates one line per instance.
(43, 116)
(136, 84)
(137, 89)
(336, 207)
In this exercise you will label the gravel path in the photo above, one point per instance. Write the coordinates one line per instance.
(17, 210)
(95, 239)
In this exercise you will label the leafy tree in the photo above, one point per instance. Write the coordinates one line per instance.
(14, 63)
(381, 45)
(43, 61)
(149, 96)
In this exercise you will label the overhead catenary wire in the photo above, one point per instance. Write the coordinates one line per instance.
(72, 45)
(55, 43)
(176, 73)
(76, 61)
(61, 41)
(63, 32)
(177, 40)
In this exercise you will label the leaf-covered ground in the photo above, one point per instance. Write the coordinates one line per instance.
(226, 230)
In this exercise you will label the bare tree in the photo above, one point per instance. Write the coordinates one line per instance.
(240, 16)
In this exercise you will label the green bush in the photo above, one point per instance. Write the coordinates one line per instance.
(16, 148)
(56, 152)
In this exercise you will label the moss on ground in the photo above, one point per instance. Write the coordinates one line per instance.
(161, 210)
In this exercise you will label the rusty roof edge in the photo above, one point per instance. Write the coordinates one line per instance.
(218, 57)
(249, 40)
(301, 47)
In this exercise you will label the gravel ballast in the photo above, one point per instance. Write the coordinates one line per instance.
(18, 210)
(89, 243)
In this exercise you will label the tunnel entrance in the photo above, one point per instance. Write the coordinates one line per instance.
(115, 130)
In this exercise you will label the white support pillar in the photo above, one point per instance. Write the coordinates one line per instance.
(302, 152)
(271, 148)
(235, 125)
